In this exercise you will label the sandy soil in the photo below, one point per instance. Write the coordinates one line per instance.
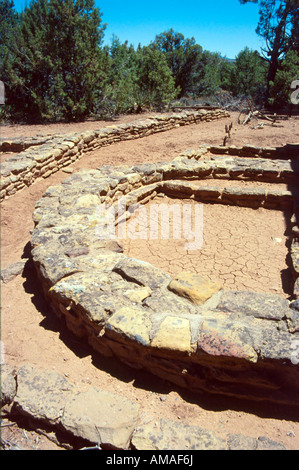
(30, 333)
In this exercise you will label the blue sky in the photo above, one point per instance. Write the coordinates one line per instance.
(223, 26)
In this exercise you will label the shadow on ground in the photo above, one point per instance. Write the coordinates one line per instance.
(140, 379)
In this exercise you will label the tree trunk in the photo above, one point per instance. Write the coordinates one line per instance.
(279, 41)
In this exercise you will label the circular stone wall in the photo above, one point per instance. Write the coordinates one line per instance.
(185, 328)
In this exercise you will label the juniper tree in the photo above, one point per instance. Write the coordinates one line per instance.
(156, 84)
(288, 72)
(53, 63)
(183, 56)
(279, 27)
(248, 76)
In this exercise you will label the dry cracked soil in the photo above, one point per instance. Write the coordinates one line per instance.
(243, 248)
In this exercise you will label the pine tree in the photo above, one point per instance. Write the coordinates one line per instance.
(248, 76)
(156, 84)
(278, 26)
(210, 78)
(183, 57)
(8, 20)
(8, 23)
(54, 71)
(122, 79)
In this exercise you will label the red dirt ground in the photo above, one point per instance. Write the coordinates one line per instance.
(31, 334)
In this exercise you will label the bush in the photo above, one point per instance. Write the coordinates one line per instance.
(52, 61)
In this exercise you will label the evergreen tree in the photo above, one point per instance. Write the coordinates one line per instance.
(210, 77)
(156, 84)
(226, 72)
(278, 25)
(54, 61)
(184, 59)
(280, 89)
(248, 76)
(8, 23)
(122, 79)
(294, 38)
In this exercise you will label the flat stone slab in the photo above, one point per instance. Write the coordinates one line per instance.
(167, 435)
(101, 417)
(11, 271)
(188, 331)
(193, 287)
(42, 394)
(105, 419)
(175, 436)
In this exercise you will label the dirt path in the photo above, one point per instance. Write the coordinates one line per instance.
(31, 334)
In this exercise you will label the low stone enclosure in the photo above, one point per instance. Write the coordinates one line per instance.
(185, 329)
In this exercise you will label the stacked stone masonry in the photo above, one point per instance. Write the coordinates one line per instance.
(39, 157)
(187, 330)
(250, 163)
(106, 420)
(240, 344)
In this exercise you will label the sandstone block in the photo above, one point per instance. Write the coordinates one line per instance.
(132, 322)
(195, 288)
(42, 394)
(139, 294)
(221, 337)
(259, 305)
(141, 272)
(13, 270)
(170, 435)
(87, 200)
(101, 417)
(174, 333)
(240, 442)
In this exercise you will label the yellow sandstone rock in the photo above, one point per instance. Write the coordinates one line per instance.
(139, 294)
(87, 200)
(174, 333)
(195, 288)
(131, 322)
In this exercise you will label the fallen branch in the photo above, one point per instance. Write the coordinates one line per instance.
(251, 114)
(259, 126)
(274, 125)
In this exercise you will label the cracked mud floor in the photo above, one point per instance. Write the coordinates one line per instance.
(30, 333)
(242, 248)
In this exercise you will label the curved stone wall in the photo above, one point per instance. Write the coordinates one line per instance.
(39, 157)
(187, 330)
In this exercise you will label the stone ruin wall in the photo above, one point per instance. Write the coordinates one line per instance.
(61, 209)
(238, 344)
(40, 157)
(233, 343)
(143, 182)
